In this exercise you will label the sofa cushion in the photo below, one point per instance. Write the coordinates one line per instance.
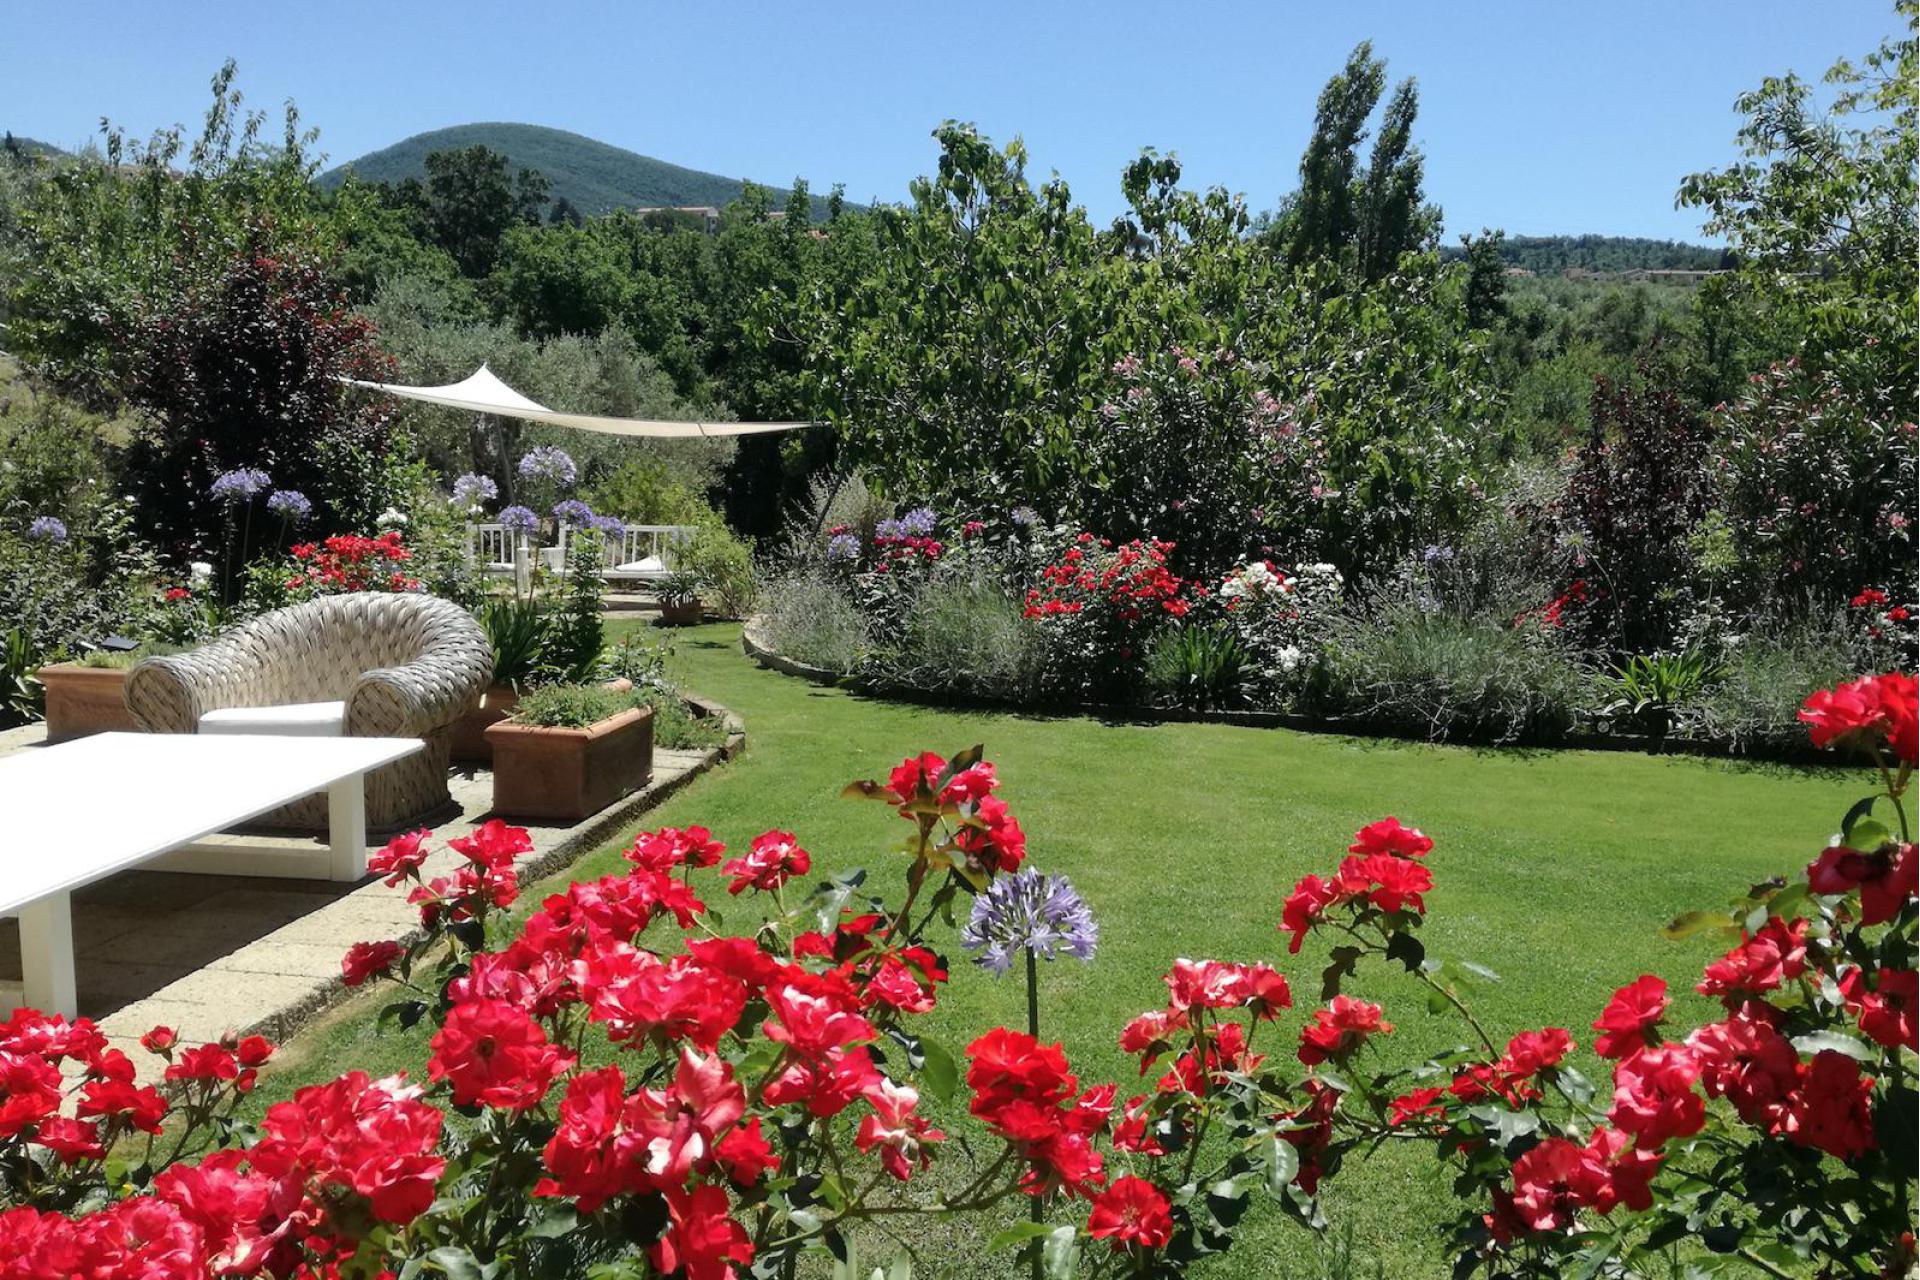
(295, 719)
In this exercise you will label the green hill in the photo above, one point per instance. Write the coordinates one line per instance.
(595, 176)
(1550, 255)
(18, 144)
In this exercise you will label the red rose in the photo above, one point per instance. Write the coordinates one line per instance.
(774, 859)
(896, 1129)
(495, 1055)
(1653, 1097)
(1417, 1104)
(1887, 878)
(1627, 1023)
(701, 1238)
(400, 857)
(1776, 954)
(1310, 899)
(1131, 1211)
(1830, 1111)
(368, 960)
(159, 1040)
(1887, 1010)
(1339, 1029)
(1866, 712)
(1388, 836)
(1750, 1064)
(745, 1154)
(71, 1140)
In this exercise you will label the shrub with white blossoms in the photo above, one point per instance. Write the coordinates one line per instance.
(1279, 616)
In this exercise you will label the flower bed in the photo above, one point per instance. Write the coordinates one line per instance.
(1014, 613)
(764, 1095)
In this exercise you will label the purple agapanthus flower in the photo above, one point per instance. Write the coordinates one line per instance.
(1024, 516)
(611, 526)
(474, 489)
(290, 505)
(573, 511)
(843, 548)
(47, 529)
(1029, 911)
(242, 484)
(549, 462)
(919, 522)
(519, 520)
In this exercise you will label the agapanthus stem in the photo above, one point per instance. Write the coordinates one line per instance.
(1034, 1213)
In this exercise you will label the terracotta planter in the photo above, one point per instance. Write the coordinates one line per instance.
(686, 614)
(564, 775)
(84, 700)
(470, 745)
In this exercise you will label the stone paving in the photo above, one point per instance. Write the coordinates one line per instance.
(205, 954)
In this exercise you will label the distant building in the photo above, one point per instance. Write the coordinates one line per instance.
(1664, 276)
(708, 215)
(1518, 271)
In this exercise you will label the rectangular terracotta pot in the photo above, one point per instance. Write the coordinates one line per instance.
(85, 700)
(470, 745)
(564, 775)
(686, 614)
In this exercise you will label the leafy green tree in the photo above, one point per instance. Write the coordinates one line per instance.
(470, 202)
(993, 356)
(1486, 279)
(1821, 216)
(102, 236)
(1364, 222)
(558, 279)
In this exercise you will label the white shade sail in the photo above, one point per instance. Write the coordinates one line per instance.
(482, 392)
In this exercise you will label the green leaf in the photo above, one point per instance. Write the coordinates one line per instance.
(1407, 949)
(1283, 1163)
(938, 1072)
(404, 1012)
(1867, 835)
(1818, 1041)
(1577, 1086)
(1342, 965)
(1058, 1258)
(1507, 1124)
(559, 1220)
(1698, 922)
(456, 1263)
(1861, 808)
(1019, 1234)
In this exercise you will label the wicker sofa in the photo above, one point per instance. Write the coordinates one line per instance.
(382, 665)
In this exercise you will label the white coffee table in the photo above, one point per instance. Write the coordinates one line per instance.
(80, 811)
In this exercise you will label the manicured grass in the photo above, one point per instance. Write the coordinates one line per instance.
(1555, 868)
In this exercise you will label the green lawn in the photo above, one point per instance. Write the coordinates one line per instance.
(1554, 868)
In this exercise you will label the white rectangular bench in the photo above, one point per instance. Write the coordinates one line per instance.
(81, 811)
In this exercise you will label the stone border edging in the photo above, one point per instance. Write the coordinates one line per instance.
(755, 647)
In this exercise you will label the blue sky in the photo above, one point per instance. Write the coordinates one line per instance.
(1538, 117)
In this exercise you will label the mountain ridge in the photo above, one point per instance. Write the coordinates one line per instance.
(596, 177)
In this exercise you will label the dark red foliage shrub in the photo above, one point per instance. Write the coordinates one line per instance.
(237, 364)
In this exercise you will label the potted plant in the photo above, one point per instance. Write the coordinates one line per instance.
(517, 632)
(680, 603)
(570, 750)
(89, 696)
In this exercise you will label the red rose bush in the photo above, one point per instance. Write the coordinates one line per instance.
(622, 1088)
